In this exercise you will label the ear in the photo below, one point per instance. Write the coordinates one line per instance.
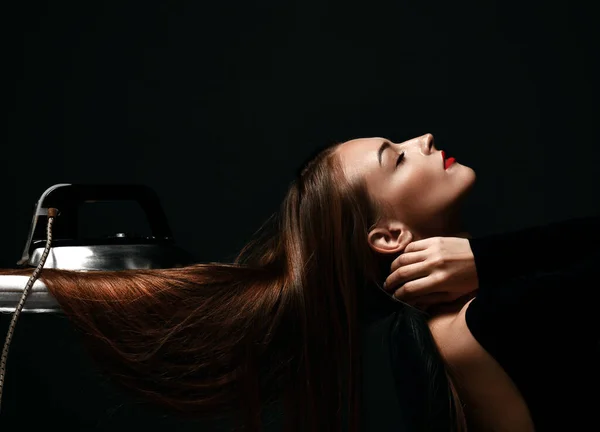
(390, 238)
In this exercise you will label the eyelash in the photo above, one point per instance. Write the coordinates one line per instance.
(400, 158)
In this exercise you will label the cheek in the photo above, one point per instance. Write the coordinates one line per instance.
(410, 193)
(424, 190)
(418, 184)
(414, 191)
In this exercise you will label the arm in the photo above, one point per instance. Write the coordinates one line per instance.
(548, 247)
(566, 296)
(529, 273)
(441, 269)
(530, 341)
(491, 399)
(542, 329)
(535, 309)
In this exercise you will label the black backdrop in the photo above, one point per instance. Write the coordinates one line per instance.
(215, 105)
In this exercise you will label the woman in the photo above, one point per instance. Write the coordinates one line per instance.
(288, 319)
(534, 319)
(497, 344)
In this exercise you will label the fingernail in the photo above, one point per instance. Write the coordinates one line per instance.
(384, 285)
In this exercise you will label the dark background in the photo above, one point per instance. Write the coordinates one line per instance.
(216, 104)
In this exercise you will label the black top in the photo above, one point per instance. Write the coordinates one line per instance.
(536, 313)
(398, 367)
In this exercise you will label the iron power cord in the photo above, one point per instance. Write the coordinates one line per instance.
(52, 213)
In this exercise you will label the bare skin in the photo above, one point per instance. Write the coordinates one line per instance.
(421, 198)
(447, 265)
(491, 400)
(418, 195)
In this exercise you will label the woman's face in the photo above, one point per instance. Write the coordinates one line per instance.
(411, 182)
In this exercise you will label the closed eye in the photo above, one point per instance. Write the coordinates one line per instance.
(400, 158)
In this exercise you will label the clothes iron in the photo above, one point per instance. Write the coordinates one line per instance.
(54, 242)
(70, 251)
(117, 252)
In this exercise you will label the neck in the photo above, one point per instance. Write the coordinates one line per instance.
(449, 225)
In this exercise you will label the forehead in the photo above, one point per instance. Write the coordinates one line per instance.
(359, 156)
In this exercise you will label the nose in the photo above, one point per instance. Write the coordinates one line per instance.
(427, 143)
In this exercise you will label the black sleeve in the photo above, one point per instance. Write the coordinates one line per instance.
(533, 303)
(526, 275)
(536, 313)
(549, 247)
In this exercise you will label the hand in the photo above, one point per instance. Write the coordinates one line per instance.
(432, 271)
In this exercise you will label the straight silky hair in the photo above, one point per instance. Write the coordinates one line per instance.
(279, 323)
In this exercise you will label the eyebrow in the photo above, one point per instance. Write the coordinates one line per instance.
(382, 148)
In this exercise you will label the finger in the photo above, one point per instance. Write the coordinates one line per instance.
(408, 258)
(406, 273)
(419, 245)
(415, 288)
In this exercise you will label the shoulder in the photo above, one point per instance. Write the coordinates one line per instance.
(458, 347)
(489, 394)
(452, 336)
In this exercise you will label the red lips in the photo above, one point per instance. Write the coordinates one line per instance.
(447, 162)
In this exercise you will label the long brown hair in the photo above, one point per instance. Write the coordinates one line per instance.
(279, 323)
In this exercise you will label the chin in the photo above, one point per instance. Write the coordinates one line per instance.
(467, 180)
(468, 175)
(472, 173)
